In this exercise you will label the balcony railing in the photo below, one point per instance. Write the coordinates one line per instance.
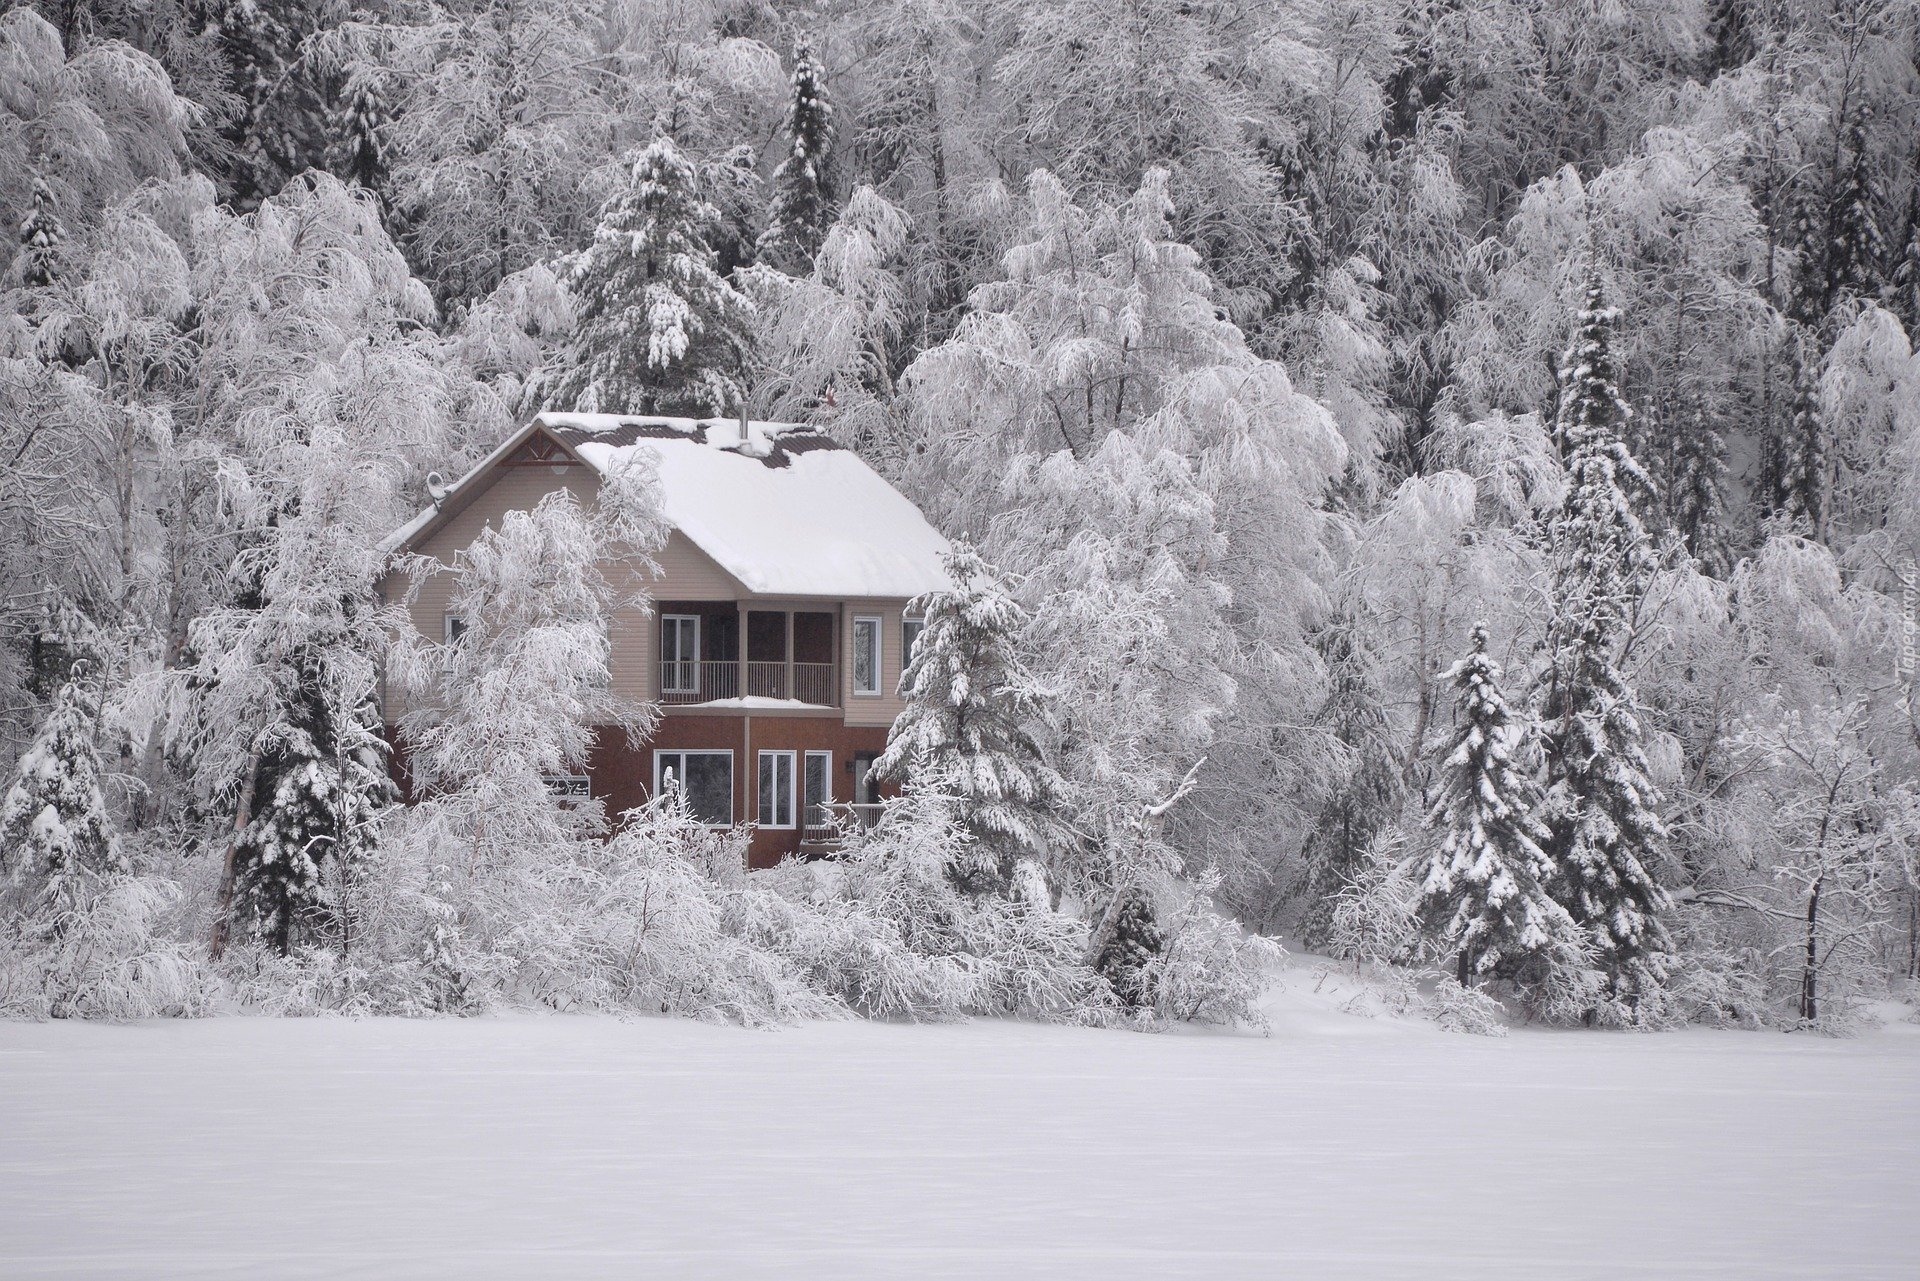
(698, 682)
(830, 827)
(683, 684)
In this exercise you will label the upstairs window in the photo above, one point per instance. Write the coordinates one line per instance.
(866, 656)
(910, 629)
(455, 629)
(680, 654)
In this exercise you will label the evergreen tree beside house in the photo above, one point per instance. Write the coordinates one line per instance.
(968, 725)
(322, 783)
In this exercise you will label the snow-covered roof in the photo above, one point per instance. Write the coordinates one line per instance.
(785, 509)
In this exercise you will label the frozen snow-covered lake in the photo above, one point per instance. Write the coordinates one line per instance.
(585, 1147)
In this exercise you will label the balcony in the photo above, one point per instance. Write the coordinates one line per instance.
(686, 684)
(830, 828)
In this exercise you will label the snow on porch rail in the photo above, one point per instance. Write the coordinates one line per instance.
(686, 683)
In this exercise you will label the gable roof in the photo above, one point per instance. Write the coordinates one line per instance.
(786, 510)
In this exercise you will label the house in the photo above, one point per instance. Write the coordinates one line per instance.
(778, 628)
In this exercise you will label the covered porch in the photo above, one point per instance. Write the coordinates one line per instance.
(721, 651)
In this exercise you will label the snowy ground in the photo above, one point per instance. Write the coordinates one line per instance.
(576, 1147)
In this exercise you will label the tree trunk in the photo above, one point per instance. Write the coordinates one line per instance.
(223, 901)
(1809, 994)
(1913, 934)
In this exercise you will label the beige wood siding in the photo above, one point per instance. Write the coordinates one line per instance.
(687, 573)
(881, 708)
(507, 489)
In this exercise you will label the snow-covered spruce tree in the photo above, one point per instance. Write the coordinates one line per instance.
(1904, 279)
(280, 127)
(1602, 808)
(660, 330)
(321, 785)
(1368, 792)
(358, 148)
(1130, 946)
(1804, 448)
(969, 725)
(1484, 897)
(1856, 248)
(54, 829)
(288, 670)
(801, 207)
(1697, 491)
(40, 238)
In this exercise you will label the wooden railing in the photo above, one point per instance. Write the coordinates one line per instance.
(683, 684)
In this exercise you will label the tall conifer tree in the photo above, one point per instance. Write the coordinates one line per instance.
(41, 236)
(1602, 808)
(1485, 895)
(1698, 493)
(969, 723)
(54, 829)
(801, 209)
(1804, 451)
(661, 330)
(1904, 279)
(321, 785)
(1857, 248)
(359, 145)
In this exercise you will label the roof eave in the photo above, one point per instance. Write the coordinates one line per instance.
(462, 491)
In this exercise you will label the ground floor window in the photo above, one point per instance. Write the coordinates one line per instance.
(818, 792)
(864, 792)
(776, 789)
(706, 777)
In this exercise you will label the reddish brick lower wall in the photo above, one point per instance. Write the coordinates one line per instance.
(622, 772)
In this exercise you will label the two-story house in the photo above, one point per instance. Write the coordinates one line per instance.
(778, 627)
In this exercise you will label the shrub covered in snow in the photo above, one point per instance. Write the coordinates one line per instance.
(106, 948)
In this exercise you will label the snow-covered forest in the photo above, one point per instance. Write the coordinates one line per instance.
(1433, 481)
